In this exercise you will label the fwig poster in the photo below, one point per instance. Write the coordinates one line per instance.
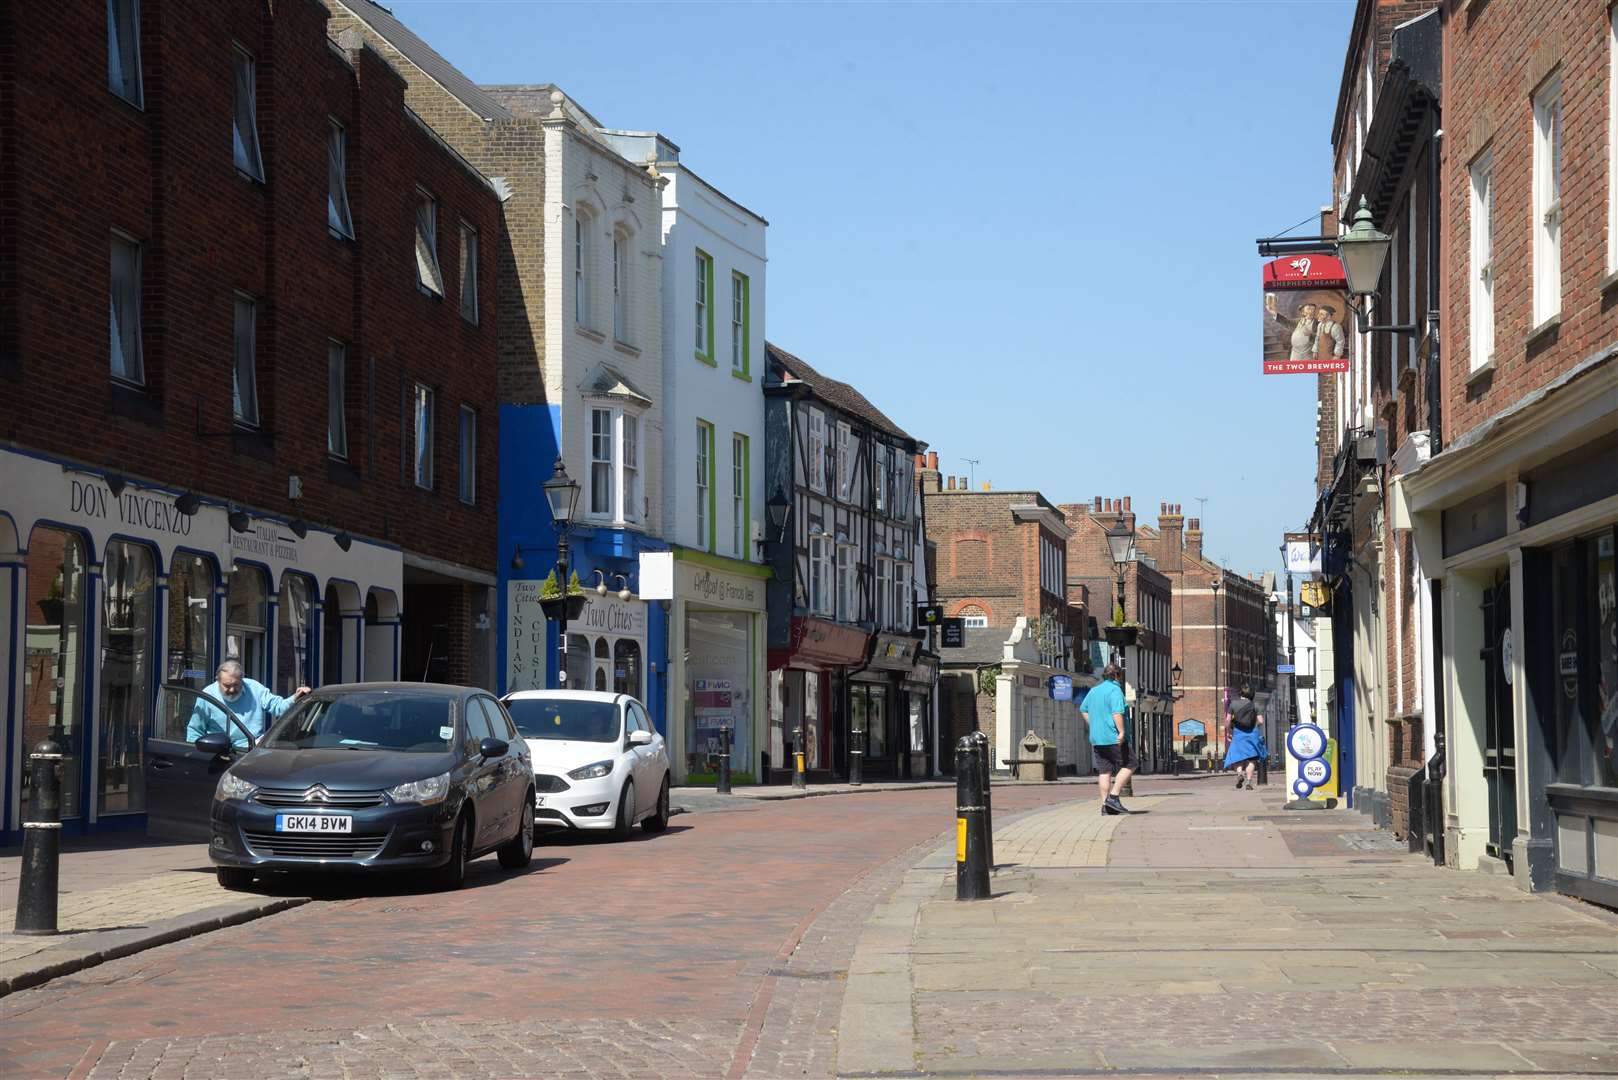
(1306, 315)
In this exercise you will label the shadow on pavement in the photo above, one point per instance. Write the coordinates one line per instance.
(557, 838)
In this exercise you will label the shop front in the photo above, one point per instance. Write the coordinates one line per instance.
(109, 588)
(890, 705)
(808, 679)
(717, 666)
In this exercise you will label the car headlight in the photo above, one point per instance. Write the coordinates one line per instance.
(232, 786)
(431, 790)
(593, 772)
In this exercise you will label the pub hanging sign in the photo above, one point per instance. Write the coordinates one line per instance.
(1306, 315)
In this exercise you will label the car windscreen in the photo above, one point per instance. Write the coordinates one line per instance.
(399, 720)
(565, 718)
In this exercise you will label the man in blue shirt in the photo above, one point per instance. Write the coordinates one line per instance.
(1110, 752)
(251, 701)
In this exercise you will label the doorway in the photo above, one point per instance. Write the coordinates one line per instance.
(1500, 733)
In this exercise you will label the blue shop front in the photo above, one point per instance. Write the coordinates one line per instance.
(619, 642)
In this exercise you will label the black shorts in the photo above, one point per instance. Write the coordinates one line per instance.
(1114, 758)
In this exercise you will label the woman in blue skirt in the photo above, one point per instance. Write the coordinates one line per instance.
(1244, 737)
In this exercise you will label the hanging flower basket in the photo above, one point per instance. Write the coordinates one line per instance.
(555, 604)
(1121, 637)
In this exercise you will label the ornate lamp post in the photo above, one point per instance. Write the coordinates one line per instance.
(779, 508)
(562, 495)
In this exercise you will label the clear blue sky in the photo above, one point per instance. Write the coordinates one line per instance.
(1025, 231)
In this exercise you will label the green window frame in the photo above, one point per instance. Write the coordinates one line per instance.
(704, 312)
(707, 496)
(741, 492)
(741, 296)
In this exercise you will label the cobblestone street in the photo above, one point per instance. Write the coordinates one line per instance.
(793, 939)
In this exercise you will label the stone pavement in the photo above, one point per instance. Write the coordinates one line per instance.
(116, 900)
(1216, 933)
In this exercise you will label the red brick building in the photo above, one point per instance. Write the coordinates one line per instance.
(1092, 579)
(1002, 567)
(1515, 517)
(281, 444)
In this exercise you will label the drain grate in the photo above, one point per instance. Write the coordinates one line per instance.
(820, 976)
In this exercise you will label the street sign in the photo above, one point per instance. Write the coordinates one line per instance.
(1286, 669)
(1061, 687)
(1306, 682)
(954, 636)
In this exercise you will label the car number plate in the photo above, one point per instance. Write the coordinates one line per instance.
(539, 800)
(324, 823)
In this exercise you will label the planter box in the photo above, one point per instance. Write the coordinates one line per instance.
(557, 605)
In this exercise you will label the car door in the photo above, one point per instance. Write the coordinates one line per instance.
(645, 782)
(180, 779)
(510, 781)
(656, 755)
(482, 782)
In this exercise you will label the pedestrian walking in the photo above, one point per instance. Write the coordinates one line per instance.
(1110, 752)
(1244, 737)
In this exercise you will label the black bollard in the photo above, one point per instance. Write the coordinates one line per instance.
(41, 843)
(723, 785)
(971, 852)
(856, 758)
(1264, 770)
(985, 761)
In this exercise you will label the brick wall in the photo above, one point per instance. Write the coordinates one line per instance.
(1499, 54)
(83, 163)
(988, 561)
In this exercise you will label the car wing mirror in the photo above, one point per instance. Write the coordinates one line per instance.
(216, 743)
(640, 738)
(493, 748)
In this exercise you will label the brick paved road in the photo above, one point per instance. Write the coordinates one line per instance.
(664, 956)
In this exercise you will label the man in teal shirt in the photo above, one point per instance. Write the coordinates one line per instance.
(1110, 752)
(252, 703)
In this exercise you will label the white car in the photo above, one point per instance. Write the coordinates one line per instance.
(599, 765)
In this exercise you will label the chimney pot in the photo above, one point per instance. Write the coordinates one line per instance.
(1098, 504)
(952, 483)
(1126, 502)
(1106, 504)
(932, 460)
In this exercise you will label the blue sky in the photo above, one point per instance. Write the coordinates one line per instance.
(1025, 231)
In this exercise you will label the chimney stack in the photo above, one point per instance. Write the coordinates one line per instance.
(1171, 525)
(1193, 538)
(1098, 504)
(1106, 505)
(1128, 515)
(928, 473)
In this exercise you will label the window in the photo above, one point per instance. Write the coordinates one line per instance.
(705, 307)
(845, 463)
(469, 273)
(581, 268)
(123, 306)
(244, 128)
(129, 627)
(601, 463)
(739, 466)
(338, 218)
(1482, 262)
(879, 468)
(244, 373)
(817, 450)
(620, 323)
(123, 50)
(901, 596)
(739, 359)
(1548, 201)
(631, 485)
(979, 621)
(884, 591)
(898, 483)
(336, 399)
(705, 493)
(423, 427)
(820, 575)
(428, 275)
(468, 472)
(845, 582)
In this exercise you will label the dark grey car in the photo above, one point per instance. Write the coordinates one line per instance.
(363, 777)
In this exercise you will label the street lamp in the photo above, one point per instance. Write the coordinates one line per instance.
(1363, 251)
(1216, 720)
(562, 495)
(779, 508)
(1121, 544)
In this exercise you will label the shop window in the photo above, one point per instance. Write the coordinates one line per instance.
(294, 634)
(626, 667)
(53, 673)
(603, 659)
(1584, 661)
(128, 612)
(331, 638)
(246, 620)
(868, 713)
(191, 621)
(918, 723)
(718, 672)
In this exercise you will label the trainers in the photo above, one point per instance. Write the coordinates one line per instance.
(1249, 784)
(1241, 781)
(1108, 811)
(1115, 805)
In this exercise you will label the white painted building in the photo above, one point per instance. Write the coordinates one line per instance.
(713, 498)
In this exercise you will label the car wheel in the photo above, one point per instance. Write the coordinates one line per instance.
(626, 813)
(453, 873)
(235, 878)
(518, 852)
(660, 817)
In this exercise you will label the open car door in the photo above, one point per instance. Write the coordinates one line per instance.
(180, 775)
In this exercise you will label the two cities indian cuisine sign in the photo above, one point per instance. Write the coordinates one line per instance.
(1306, 315)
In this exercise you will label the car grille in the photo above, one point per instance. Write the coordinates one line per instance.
(547, 784)
(317, 795)
(547, 812)
(301, 846)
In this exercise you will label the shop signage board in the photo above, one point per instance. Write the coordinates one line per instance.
(954, 636)
(526, 651)
(1303, 553)
(1305, 315)
(1061, 687)
(929, 614)
(708, 587)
